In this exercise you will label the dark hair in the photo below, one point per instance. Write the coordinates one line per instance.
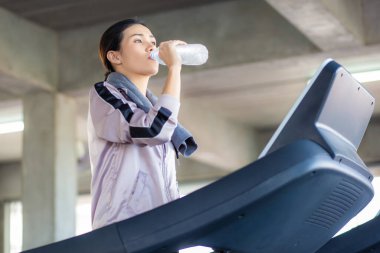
(111, 39)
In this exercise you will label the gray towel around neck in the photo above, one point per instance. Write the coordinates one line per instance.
(182, 139)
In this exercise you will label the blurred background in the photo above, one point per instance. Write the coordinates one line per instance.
(261, 55)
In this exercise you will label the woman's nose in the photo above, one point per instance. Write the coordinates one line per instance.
(150, 48)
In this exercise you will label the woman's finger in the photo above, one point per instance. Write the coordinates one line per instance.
(179, 42)
(173, 42)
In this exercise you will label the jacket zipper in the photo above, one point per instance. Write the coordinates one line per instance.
(165, 174)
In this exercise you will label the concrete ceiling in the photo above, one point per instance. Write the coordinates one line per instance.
(69, 14)
(256, 90)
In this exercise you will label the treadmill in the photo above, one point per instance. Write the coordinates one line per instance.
(306, 185)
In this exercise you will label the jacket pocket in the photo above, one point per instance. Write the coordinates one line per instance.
(139, 200)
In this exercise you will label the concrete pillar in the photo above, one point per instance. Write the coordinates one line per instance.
(48, 168)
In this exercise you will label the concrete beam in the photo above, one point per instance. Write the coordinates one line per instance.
(84, 182)
(11, 111)
(266, 90)
(5, 95)
(190, 170)
(371, 9)
(375, 169)
(245, 36)
(369, 149)
(28, 54)
(350, 14)
(223, 143)
(318, 24)
(10, 181)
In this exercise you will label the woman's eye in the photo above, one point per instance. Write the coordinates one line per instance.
(154, 43)
(138, 40)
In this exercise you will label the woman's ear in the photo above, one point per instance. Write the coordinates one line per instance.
(114, 57)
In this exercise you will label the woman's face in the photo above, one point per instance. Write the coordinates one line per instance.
(135, 48)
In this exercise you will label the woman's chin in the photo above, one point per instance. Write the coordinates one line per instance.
(153, 72)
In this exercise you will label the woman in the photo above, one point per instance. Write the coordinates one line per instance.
(133, 136)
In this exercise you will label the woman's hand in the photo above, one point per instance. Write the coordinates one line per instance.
(169, 55)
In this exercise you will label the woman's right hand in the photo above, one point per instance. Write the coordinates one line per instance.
(168, 54)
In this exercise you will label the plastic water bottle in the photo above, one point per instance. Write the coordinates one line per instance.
(191, 54)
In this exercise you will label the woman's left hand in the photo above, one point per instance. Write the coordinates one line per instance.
(168, 53)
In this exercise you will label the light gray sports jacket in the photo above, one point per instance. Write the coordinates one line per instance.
(132, 158)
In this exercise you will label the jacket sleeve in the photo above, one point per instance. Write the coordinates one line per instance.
(117, 120)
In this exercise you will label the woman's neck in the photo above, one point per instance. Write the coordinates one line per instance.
(140, 81)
